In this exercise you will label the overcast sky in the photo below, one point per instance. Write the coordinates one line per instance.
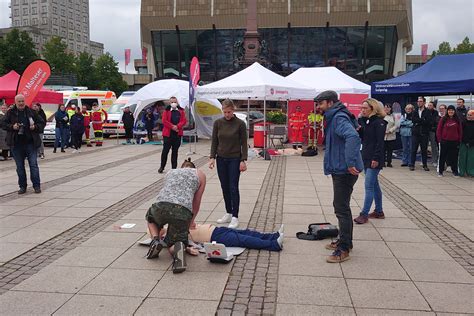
(434, 21)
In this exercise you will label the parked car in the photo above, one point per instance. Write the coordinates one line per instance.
(255, 117)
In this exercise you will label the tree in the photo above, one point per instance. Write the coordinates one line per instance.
(17, 51)
(108, 74)
(443, 49)
(464, 47)
(60, 60)
(86, 71)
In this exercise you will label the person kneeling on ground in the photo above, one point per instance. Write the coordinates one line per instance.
(177, 205)
(238, 238)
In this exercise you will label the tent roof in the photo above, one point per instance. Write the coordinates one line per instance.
(9, 83)
(255, 82)
(162, 90)
(444, 74)
(328, 78)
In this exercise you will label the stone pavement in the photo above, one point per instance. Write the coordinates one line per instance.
(63, 252)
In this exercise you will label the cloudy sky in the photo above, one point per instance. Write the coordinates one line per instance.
(434, 21)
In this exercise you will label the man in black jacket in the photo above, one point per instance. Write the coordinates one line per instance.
(23, 127)
(461, 110)
(422, 122)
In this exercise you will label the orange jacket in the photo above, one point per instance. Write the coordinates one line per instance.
(297, 120)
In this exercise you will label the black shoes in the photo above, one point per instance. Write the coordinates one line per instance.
(161, 170)
(37, 190)
(412, 168)
(179, 262)
(404, 165)
(155, 248)
(22, 191)
(54, 150)
(426, 168)
(389, 165)
(62, 150)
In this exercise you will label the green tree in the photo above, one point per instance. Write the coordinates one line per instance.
(60, 60)
(17, 50)
(443, 49)
(86, 71)
(464, 47)
(108, 74)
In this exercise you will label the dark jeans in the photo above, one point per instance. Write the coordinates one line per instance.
(245, 238)
(228, 170)
(173, 142)
(129, 133)
(149, 133)
(76, 140)
(449, 152)
(389, 144)
(419, 141)
(62, 137)
(20, 153)
(343, 184)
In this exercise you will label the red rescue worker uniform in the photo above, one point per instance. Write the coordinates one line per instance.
(98, 117)
(297, 122)
(87, 126)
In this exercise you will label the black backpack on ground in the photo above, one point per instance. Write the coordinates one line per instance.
(318, 231)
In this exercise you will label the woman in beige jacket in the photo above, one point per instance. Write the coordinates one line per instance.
(390, 134)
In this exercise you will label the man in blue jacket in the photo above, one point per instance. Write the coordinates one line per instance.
(343, 161)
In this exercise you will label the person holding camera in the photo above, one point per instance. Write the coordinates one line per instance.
(23, 128)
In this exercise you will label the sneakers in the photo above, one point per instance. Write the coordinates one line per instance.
(63, 151)
(225, 219)
(280, 240)
(42, 156)
(404, 165)
(155, 248)
(37, 190)
(282, 229)
(89, 145)
(440, 175)
(161, 170)
(426, 168)
(179, 262)
(389, 165)
(361, 219)
(338, 256)
(412, 168)
(379, 215)
(74, 151)
(22, 191)
(234, 223)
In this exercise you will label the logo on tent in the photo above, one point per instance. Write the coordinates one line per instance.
(272, 92)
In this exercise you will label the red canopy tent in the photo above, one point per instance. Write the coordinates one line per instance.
(9, 82)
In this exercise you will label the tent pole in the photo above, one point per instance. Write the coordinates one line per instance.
(265, 155)
(471, 101)
(248, 120)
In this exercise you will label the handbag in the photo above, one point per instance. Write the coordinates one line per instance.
(319, 231)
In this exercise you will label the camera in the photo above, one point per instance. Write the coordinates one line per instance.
(21, 130)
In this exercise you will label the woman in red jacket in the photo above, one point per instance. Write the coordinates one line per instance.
(174, 119)
(449, 134)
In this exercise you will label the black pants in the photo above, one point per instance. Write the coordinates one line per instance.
(5, 153)
(129, 133)
(149, 134)
(343, 184)
(172, 142)
(449, 152)
(388, 146)
(419, 141)
(76, 140)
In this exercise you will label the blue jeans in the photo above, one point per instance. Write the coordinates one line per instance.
(245, 238)
(228, 170)
(406, 144)
(62, 137)
(372, 191)
(20, 153)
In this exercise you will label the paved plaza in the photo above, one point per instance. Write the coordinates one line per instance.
(63, 252)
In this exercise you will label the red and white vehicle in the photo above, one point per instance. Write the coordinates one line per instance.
(114, 125)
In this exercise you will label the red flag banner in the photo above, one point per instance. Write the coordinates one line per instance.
(128, 52)
(144, 55)
(353, 101)
(33, 79)
(424, 52)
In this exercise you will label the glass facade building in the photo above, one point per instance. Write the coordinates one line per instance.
(364, 53)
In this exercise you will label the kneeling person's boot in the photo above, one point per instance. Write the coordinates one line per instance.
(179, 262)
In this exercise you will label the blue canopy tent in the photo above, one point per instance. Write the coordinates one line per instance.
(444, 74)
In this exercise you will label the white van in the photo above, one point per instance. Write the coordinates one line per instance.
(79, 98)
(114, 125)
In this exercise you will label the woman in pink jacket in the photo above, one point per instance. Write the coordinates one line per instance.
(174, 119)
(449, 134)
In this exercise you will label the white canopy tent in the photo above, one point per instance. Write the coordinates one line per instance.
(164, 89)
(329, 78)
(258, 83)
